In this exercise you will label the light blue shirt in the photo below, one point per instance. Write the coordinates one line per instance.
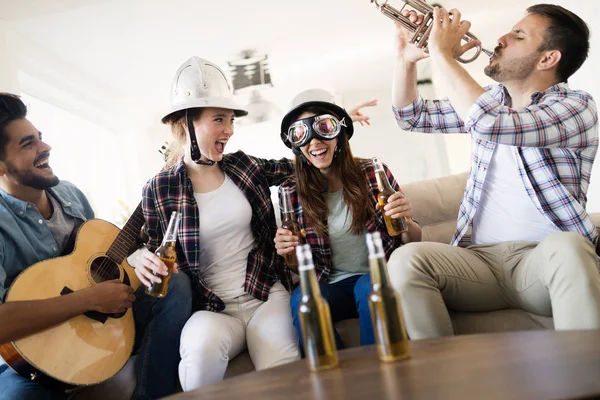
(349, 251)
(25, 237)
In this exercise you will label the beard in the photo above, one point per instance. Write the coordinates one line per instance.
(31, 180)
(513, 70)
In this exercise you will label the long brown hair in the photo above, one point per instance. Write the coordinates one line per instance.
(176, 120)
(311, 184)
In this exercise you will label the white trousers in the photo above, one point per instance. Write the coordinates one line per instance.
(209, 339)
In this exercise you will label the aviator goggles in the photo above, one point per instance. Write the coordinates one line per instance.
(325, 127)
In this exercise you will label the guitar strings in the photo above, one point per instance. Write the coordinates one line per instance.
(107, 262)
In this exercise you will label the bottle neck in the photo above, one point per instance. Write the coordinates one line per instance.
(288, 218)
(378, 270)
(309, 286)
(382, 182)
(169, 242)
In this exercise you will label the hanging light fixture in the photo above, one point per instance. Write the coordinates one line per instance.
(251, 76)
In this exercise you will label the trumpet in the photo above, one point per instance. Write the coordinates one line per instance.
(421, 32)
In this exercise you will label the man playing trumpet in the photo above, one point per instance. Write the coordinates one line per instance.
(523, 239)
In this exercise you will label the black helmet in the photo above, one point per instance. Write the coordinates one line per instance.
(314, 98)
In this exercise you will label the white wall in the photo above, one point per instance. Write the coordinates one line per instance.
(8, 73)
(363, 70)
(94, 142)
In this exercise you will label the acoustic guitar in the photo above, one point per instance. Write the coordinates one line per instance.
(92, 347)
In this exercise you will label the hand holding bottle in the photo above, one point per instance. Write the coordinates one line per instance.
(386, 192)
(149, 267)
(167, 256)
(288, 236)
(286, 242)
(398, 206)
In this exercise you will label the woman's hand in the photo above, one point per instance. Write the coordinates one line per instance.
(146, 264)
(285, 242)
(359, 117)
(398, 206)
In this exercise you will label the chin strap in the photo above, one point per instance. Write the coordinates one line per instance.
(194, 149)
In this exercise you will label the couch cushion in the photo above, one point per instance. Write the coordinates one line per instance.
(466, 323)
(119, 387)
(441, 232)
(435, 203)
(498, 321)
(241, 364)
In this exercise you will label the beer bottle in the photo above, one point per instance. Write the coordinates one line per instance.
(384, 303)
(394, 226)
(315, 317)
(288, 221)
(166, 252)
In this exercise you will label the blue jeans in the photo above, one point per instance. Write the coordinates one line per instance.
(158, 324)
(347, 299)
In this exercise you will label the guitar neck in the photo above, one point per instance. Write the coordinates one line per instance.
(128, 236)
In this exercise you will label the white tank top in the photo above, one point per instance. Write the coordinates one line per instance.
(225, 239)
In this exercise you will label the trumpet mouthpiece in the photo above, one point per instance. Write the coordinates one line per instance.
(489, 53)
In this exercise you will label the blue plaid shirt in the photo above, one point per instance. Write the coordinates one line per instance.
(556, 139)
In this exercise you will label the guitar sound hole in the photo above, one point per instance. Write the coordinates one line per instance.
(104, 269)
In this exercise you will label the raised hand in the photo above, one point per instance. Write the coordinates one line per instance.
(359, 117)
(447, 33)
(406, 50)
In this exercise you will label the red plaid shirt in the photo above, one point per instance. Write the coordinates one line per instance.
(171, 190)
(321, 246)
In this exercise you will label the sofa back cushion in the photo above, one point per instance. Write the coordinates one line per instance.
(435, 204)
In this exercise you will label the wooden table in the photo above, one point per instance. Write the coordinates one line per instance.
(518, 365)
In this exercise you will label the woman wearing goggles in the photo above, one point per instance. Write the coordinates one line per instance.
(329, 192)
(324, 127)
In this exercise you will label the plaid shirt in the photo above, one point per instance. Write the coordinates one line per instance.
(555, 139)
(321, 246)
(171, 190)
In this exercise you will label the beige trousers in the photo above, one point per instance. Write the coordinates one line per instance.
(556, 277)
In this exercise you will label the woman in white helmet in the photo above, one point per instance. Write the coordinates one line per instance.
(334, 196)
(240, 285)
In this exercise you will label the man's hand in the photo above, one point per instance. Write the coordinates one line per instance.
(406, 50)
(146, 263)
(110, 297)
(398, 206)
(359, 117)
(445, 39)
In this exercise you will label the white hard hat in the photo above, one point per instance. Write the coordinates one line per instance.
(201, 83)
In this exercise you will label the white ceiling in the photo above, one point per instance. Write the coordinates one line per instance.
(131, 48)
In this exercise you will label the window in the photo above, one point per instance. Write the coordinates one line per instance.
(89, 155)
